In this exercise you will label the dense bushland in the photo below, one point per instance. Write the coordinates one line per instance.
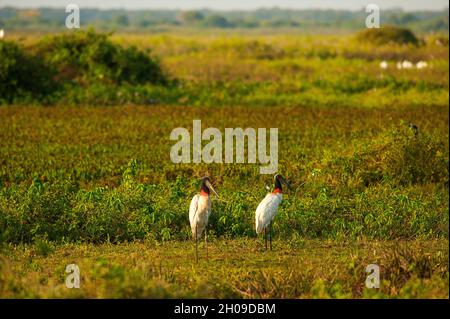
(73, 67)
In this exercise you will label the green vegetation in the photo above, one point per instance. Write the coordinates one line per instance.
(87, 179)
(23, 75)
(105, 174)
(388, 35)
(235, 269)
(299, 70)
(89, 57)
(62, 67)
(274, 18)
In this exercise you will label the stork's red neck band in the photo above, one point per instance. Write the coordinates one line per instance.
(277, 191)
(203, 193)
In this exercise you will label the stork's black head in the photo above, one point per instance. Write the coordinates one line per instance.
(207, 186)
(279, 180)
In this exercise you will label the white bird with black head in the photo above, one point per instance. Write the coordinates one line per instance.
(268, 208)
(199, 212)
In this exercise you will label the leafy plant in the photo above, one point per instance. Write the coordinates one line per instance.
(388, 35)
(23, 75)
(89, 57)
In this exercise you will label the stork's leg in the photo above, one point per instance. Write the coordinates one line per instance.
(265, 237)
(196, 245)
(270, 234)
(206, 243)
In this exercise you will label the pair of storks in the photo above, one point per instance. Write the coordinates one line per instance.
(200, 209)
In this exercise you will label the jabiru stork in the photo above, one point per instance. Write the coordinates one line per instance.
(199, 212)
(268, 208)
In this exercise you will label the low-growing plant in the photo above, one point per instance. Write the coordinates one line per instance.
(400, 155)
(387, 35)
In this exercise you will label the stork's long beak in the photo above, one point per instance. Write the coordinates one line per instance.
(284, 181)
(209, 185)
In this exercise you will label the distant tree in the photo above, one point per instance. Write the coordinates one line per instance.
(28, 13)
(216, 21)
(392, 19)
(191, 17)
(144, 23)
(438, 25)
(419, 21)
(246, 23)
(122, 20)
(408, 18)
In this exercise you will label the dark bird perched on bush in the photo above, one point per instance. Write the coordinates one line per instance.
(414, 128)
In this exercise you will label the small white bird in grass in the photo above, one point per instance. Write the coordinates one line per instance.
(407, 64)
(421, 65)
(199, 212)
(267, 209)
(2, 33)
(384, 64)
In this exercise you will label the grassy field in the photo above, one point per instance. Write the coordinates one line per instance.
(236, 268)
(92, 183)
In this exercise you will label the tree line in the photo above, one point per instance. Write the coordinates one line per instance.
(54, 18)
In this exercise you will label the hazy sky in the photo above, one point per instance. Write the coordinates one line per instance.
(232, 4)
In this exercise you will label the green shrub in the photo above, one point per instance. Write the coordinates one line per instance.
(416, 159)
(387, 35)
(42, 246)
(216, 21)
(22, 75)
(399, 156)
(78, 67)
(87, 57)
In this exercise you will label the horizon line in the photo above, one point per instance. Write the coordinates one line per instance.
(222, 9)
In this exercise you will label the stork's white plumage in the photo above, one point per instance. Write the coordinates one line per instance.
(193, 208)
(268, 208)
(199, 211)
(266, 211)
